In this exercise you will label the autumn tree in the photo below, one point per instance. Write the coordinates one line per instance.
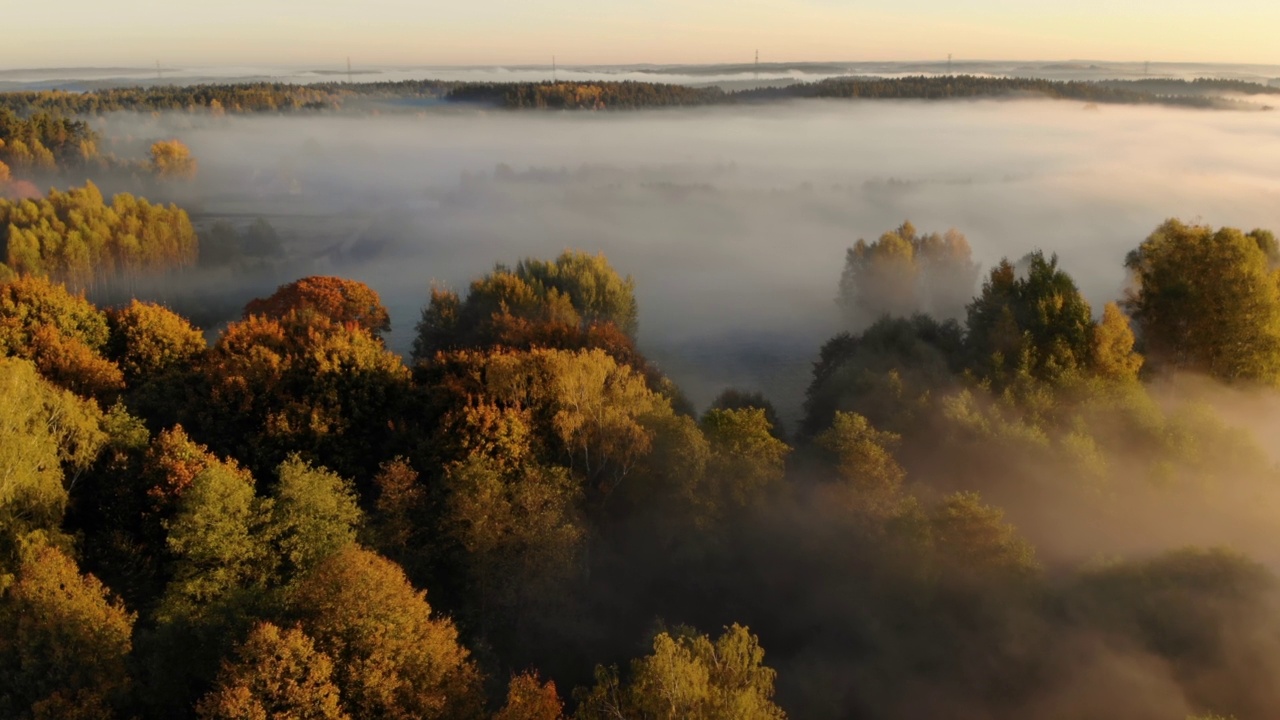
(338, 300)
(520, 532)
(64, 642)
(275, 675)
(303, 384)
(1113, 341)
(78, 237)
(536, 303)
(688, 676)
(864, 463)
(172, 160)
(904, 273)
(63, 334)
(392, 657)
(1208, 301)
(746, 460)
(528, 698)
(43, 430)
(735, 399)
(159, 354)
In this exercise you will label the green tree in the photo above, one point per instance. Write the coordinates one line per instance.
(865, 464)
(889, 373)
(521, 535)
(42, 431)
(688, 677)
(313, 514)
(1034, 323)
(1207, 301)
(212, 541)
(746, 459)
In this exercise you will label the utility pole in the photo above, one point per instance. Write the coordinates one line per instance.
(757, 64)
(348, 69)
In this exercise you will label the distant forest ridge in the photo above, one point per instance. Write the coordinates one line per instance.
(624, 95)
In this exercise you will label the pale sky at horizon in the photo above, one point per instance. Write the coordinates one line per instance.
(413, 32)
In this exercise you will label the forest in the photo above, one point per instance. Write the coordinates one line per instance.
(527, 519)
(603, 95)
(998, 500)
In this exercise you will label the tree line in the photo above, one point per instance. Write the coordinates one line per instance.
(80, 238)
(528, 520)
(603, 95)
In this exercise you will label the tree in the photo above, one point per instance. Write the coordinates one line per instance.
(563, 303)
(330, 392)
(580, 408)
(530, 699)
(1207, 301)
(392, 658)
(889, 373)
(340, 301)
(1035, 324)
(42, 431)
(904, 273)
(313, 514)
(63, 334)
(1113, 354)
(734, 399)
(976, 546)
(64, 642)
(172, 160)
(520, 533)
(688, 676)
(147, 341)
(865, 464)
(212, 542)
(746, 459)
(78, 237)
(276, 675)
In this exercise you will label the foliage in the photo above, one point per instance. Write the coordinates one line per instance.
(78, 237)
(688, 676)
(334, 299)
(392, 658)
(1208, 301)
(42, 431)
(276, 675)
(904, 273)
(530, 699)
(64, 642)
(172, 160)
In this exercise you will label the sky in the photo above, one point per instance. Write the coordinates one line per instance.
(322, 33)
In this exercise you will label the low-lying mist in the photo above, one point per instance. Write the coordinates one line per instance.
(733, 221)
